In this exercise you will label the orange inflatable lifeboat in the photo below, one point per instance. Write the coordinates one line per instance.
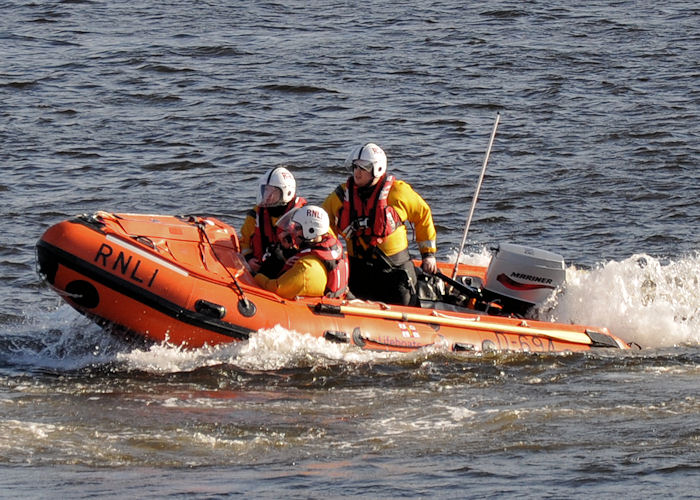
(182, 280)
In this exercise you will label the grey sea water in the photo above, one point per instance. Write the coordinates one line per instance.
(178, 107)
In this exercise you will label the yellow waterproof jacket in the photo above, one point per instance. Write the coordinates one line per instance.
(248, 230)
(410, 207)
(306, 278)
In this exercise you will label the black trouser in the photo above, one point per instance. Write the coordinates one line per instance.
(382, 280)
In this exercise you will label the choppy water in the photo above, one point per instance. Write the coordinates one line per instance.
(178, 107)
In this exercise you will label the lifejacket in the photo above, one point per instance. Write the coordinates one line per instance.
(330, 252)
(265, 233)
(371, 219)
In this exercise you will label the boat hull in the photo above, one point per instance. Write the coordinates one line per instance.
(181, 280)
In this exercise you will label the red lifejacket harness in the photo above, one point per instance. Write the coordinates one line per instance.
(370, 220)
(330, 252)
(265, 233)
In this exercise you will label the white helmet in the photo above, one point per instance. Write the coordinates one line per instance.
(277, 188)
(313, 221)
(369, 157)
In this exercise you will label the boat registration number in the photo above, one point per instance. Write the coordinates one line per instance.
(524, 343)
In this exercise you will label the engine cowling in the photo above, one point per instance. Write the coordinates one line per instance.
(521, 277)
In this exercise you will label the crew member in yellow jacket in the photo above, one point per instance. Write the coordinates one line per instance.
(319, 267)
(369, 211)
(276, 196)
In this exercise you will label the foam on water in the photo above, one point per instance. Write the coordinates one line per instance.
(267, 350)
(480, 257)
(57, 340)
(642, 299)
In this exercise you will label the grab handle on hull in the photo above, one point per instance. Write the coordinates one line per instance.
(210, 309)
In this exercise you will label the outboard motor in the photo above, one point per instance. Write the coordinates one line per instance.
(520, 277)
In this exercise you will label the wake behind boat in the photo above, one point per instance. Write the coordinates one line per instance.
(183, 281)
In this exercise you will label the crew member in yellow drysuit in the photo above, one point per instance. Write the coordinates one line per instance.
(259, 243)
(319, 267)
(369, 211)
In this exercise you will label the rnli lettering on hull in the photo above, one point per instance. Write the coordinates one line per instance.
(123, 264)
